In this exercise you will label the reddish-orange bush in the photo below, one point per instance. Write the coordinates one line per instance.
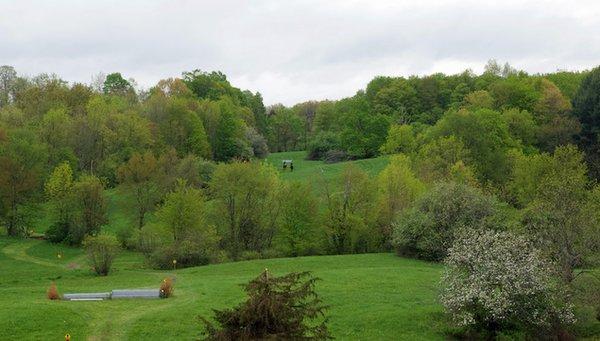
(52, 292)
(166, 288)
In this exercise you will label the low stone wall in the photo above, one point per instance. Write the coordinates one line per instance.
(115, 294)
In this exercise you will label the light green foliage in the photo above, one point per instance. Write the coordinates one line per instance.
(563, 213)
(229, 132)
(435, 159)
(400, 139)
(398, 188)
(479, 99)
(90, 208)
(568, 82)
(351, 213)
(521, 126)
(485, 134)
(398, 100)
(514, 92)
(59, 191)
(363, 133)
(140, 175)
(101, 251)
(56, 131)
(286, 130)
(247, 199)
(115, 84)
(299, 232)
(327, 117)
(180, 127)
(187, 237)
(557, 126)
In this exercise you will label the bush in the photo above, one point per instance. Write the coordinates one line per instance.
(427, 230)
(181, 231)
(166, 288)
(282, 308)
(335, 155)
(322, 143)
(52, 292)
(101, 250)
(497, 281)
(190, 252)
(257, 142)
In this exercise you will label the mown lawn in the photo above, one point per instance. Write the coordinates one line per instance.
(372, 296)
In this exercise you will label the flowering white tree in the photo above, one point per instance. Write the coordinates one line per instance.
(498, 280)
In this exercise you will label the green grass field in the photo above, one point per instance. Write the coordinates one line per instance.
(317, 171)
(372, 296)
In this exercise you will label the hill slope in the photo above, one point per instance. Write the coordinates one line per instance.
(372, 296)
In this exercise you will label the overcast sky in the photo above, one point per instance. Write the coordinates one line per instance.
(293, 51)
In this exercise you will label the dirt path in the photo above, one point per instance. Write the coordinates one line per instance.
(18, 251)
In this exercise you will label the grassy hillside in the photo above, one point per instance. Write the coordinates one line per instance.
(305, 170)
(372, 296)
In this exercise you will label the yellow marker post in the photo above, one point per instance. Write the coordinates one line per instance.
(174, 264)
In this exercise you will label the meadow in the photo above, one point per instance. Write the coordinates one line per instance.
(371, 296)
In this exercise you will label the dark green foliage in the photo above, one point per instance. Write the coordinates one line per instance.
(586, 107)
(284, 308)
(89, 202)
(322, 143)
(115, 84)
(363, 134)
(428, 230)
(22, 160)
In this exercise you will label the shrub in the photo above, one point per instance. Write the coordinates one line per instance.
(286, 308)
(427, 230)
(166, 288)
(181, 231)
(101, 250)
(321, 144)
(333, 156)
(497, 281)
(257, 142)
(52, 292)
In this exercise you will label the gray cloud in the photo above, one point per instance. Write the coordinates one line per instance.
(292, 51)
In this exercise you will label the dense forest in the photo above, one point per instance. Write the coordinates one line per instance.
(500, 152)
